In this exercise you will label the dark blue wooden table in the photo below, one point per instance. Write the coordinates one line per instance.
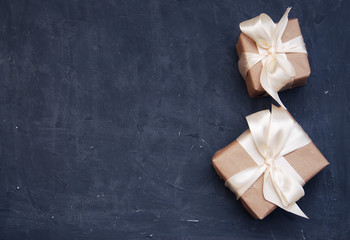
(111, 111)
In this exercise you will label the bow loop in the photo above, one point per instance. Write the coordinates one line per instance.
(270, 131)
(259, 127)
(260, 29)
(280, 126)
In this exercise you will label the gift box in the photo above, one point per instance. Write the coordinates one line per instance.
(307, 161)
(298, 60)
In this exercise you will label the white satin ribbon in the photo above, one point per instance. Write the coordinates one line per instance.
(269, 138)
(277, 71)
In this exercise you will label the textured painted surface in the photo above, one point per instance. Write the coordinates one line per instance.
(110, 112)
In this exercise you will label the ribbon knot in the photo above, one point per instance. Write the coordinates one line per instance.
(277, 71)
(272, 135)
(269, 162)
(271, 51)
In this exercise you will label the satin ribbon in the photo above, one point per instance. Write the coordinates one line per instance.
(272, 135)
(277, 71)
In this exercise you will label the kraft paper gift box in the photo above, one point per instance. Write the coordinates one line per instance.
(306, 161)
(299, 61)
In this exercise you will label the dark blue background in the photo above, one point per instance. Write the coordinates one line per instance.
(111, 111)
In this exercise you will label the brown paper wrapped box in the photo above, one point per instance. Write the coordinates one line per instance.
(307, 162)
(299, 61)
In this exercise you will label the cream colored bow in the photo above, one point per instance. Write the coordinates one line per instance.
(277, 71)
(269, 138)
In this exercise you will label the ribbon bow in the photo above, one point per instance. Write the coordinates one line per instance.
(269, 138)
(277, 71)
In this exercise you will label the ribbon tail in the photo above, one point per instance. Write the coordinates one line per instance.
(295, 209)
(266, 86)
(280, 27)
(272, 195)
(276, 97)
